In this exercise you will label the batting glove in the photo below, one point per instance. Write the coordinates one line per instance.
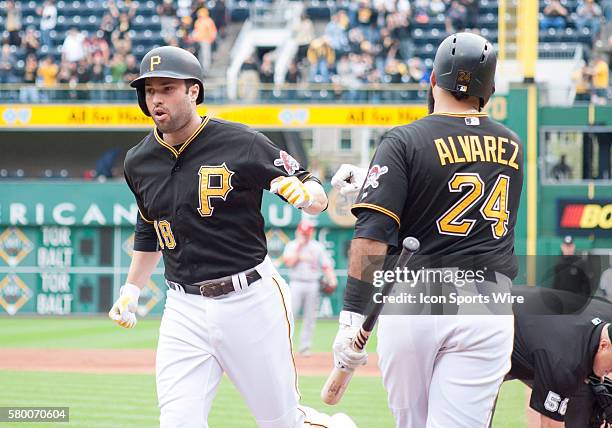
(123, 311)
(349, 180)
(345, 357)
(293, 190)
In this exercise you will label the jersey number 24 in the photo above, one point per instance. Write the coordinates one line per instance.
(493, 209)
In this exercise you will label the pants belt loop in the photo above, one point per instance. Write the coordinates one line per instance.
(243, 280)
(236, 283)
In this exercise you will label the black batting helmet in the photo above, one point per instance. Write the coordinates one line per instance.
(168, 61)
(465, 64)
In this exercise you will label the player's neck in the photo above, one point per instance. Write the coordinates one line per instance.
(446, 103)
(180, 136)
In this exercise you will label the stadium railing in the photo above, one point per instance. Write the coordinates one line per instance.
(216, 92)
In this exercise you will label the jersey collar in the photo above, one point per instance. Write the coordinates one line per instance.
(183, 146)
(460, 114)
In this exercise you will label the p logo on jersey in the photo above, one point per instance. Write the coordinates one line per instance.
(288, 162)
(373, 175)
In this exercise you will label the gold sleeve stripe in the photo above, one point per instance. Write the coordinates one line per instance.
(144, 218)
(186, 143)
(461, 114)
(379, 209)
(295, 373)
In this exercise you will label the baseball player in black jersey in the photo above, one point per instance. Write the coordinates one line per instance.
(198, 184)
(452, 180)
(563, 357)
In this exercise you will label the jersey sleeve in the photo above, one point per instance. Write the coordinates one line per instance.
(266, 162)
(386, 184)
(141, 211)
(145, 237)
(549, 396)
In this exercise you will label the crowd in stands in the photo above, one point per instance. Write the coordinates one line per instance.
(362, 44)
(35, 54)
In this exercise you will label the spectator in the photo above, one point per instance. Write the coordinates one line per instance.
(83, 71)
(99, 72)
(570, 273)
(48, 71)
(601, 80)
(183, 8)
(132, 70)
(29, 93)
(322, 58)
(417, 72)
(96, 45)
(293, 75)
(13, 23)
(220, 16)
(30, 42)
(183, 33)
(8, 64)
(266, 70)
(48, 20)
(73, 49)
(205, 33)
(421, 11)
(366, 18)
(456, 17)
(471, 7)
(337, 35)
(107, 26)
(554, 15)
(248, 80)
(117, 68)
(304, 35)
(605, 283)
(167, 14)
(581, 77)
(588, 15)
(396, 72)
(561, 170)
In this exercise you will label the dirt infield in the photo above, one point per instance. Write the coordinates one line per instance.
(135, 361)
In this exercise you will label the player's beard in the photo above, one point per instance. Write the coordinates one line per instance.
(177, 119)
(430, 100)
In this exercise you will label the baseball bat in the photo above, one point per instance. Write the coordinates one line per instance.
(339, 378)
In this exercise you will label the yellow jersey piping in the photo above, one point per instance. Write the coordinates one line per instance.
(379, 209)
(175, 152)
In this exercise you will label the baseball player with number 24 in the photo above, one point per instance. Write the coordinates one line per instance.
(198, 183)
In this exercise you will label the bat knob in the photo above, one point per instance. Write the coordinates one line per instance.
(411, 244)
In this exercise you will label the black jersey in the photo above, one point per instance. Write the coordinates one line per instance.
(452, 181)
(203, 199)
(554, 353)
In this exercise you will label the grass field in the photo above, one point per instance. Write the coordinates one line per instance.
(129, 400)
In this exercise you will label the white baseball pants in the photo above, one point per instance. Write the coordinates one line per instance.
(444, 371)
(245, 334)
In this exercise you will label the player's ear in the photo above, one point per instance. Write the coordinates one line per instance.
(194, 91)
(433, 79)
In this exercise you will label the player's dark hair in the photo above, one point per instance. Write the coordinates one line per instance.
(189, 83)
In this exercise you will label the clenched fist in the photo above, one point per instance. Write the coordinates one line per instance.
(293, 190)
(123, 311)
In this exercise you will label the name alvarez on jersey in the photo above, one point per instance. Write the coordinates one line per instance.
(452, 181)
(201, 202)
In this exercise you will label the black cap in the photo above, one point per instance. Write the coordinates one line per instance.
(465, 63)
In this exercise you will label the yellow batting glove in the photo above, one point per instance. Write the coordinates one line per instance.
(123, 311)
(293, 190)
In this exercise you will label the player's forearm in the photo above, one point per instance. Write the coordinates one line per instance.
(361, 249)
(551, 423)
(141, 267)
(319, 198)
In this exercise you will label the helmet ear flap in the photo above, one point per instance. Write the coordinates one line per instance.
(142, 102)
